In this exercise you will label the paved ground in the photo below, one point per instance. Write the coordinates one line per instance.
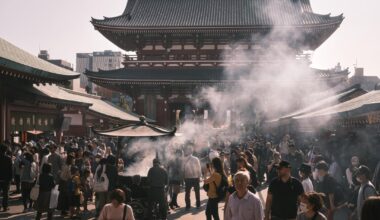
(16, 209)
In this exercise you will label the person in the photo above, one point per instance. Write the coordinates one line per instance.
(87, 189)
(56, 162)
(157, 179)
(305, 173)
(214, 181)
(192, 174)
(335, 170)
(284, 194)
(243, 165)
(175, 178)
(17, 170)
(5, 175)
(243, 204)
(311, 205)
(327, 185)
(100, 197)
(27, 177)
(284, 146)
(226, 164)
(117, 209)
(111, 172)
(295, 158)
(376, 177)
(75, 191)
(366, 190)
(371, 209)
(272, 169)
(46, 182)
(351, 170)
(65, 177)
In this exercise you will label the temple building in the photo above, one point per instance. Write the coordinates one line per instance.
(182, 46)
(23, 109)
(33, 100)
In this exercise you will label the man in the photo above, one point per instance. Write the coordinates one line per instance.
(5, 175)
(327, 185)
(192, 174)
(242, 204)
(284, 194)
(366, 189)
(56, 162)
(158, 179)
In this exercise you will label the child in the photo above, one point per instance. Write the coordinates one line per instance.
(75, 191)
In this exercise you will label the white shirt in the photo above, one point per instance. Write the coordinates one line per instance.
(307, 185)
(192, 168)
(247, 208)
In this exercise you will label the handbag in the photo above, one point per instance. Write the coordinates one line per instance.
(34, 192)
(54, 198)
(101, 183)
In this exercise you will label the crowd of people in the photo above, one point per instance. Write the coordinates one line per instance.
(303, 183)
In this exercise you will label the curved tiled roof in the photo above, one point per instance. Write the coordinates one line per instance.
(96, 103)
(16, 59)
(216, 13)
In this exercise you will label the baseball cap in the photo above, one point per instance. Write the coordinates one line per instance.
(284, 164)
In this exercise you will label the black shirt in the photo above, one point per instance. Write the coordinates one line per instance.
(285, 197)
(329, 186)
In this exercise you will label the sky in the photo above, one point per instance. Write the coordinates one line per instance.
(63, 28)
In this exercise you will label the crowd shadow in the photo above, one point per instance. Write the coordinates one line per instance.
(192, 211)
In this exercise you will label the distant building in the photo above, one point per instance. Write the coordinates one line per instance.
(103, 60)
(366, 82)
(44, 54)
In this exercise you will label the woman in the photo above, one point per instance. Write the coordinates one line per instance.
(46, 182)
(305, 173)
(65, 176)
(175, 177)
(311, 205)
(244, 165)
(213, 182)
(28, 175)
(117, 209)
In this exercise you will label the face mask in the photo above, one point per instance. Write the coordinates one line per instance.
(303, 207)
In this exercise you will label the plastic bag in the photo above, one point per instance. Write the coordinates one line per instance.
(54, 198)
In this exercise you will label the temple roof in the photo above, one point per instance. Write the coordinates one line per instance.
(96, 103)
(15, 61)
(141, 129)
(369, 102)
(183, 75)
(161, 14)
(330, 100)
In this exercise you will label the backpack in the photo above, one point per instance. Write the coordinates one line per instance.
(101, 182)
(221, 190)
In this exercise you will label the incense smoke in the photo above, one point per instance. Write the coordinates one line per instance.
(274, 85)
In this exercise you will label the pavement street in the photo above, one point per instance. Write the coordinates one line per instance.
(16, 209)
